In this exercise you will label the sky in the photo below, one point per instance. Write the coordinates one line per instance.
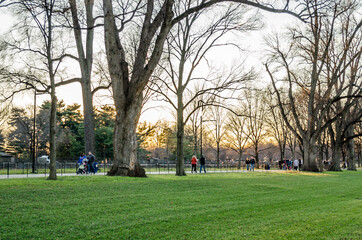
(252, 42)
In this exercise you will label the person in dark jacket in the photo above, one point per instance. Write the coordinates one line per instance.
(252, 164)
(247, 164)
(202, 163)
(91, 160)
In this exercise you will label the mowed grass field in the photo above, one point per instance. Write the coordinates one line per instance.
(257, 205)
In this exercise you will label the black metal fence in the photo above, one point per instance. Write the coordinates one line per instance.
(24, 169)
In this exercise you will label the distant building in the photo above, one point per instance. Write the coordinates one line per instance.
(4, 157)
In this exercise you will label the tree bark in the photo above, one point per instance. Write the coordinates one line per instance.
(240, 158)
(350, 149)
(125, 141)
(128, 88)
(309, 156)
(256, 149)
(89, 139)
(282, 150)
(53, 111)
(218, 153)
(180, 169)
(85, 59)
(320, 154)
(336, 146)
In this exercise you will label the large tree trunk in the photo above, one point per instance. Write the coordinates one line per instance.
(336, 146)
(128, 100)
(350, 149)
(320, 154)
(89, 144)
(256, 154)
(309, 156)
(128, 88)
(327, 150)
(53, 111)
(218, 153)
(240, 157)
(85, 63)
(180, 166)
(282, 150)
(336, 156)
(125, 141)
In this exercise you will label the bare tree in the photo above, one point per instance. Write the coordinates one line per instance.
(276, 125)
(255, 125)
(235, 135)
(85, 58)
(129, 78)
(187, 48)
(308, 52)
(348, 83)
(39, 50)
(217, 118)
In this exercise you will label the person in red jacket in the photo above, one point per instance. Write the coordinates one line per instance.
(193, 164)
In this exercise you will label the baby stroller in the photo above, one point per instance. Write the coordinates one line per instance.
(82, 169)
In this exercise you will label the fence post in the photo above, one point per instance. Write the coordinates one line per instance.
(8, 169)
(27, 170)
(45, 169)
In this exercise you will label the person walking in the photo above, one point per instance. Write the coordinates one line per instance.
(252, 164)
(202, 163)
(193, 164)
(300, 164)
(247, 161)
(296, 164)
(91, 160)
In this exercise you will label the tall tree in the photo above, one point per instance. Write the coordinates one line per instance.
(85, 60)
(188, 46)
(348, 84)
(39, 49)
(256, 112)
(236, 137)
(218, 121)
(276, 125)
(304, 60)
(129, 78)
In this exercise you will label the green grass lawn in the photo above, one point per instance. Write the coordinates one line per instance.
(204, 206)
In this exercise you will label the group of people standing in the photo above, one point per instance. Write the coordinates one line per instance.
(291, 164)
(250, 164)
(89, 161)
(194, 162)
